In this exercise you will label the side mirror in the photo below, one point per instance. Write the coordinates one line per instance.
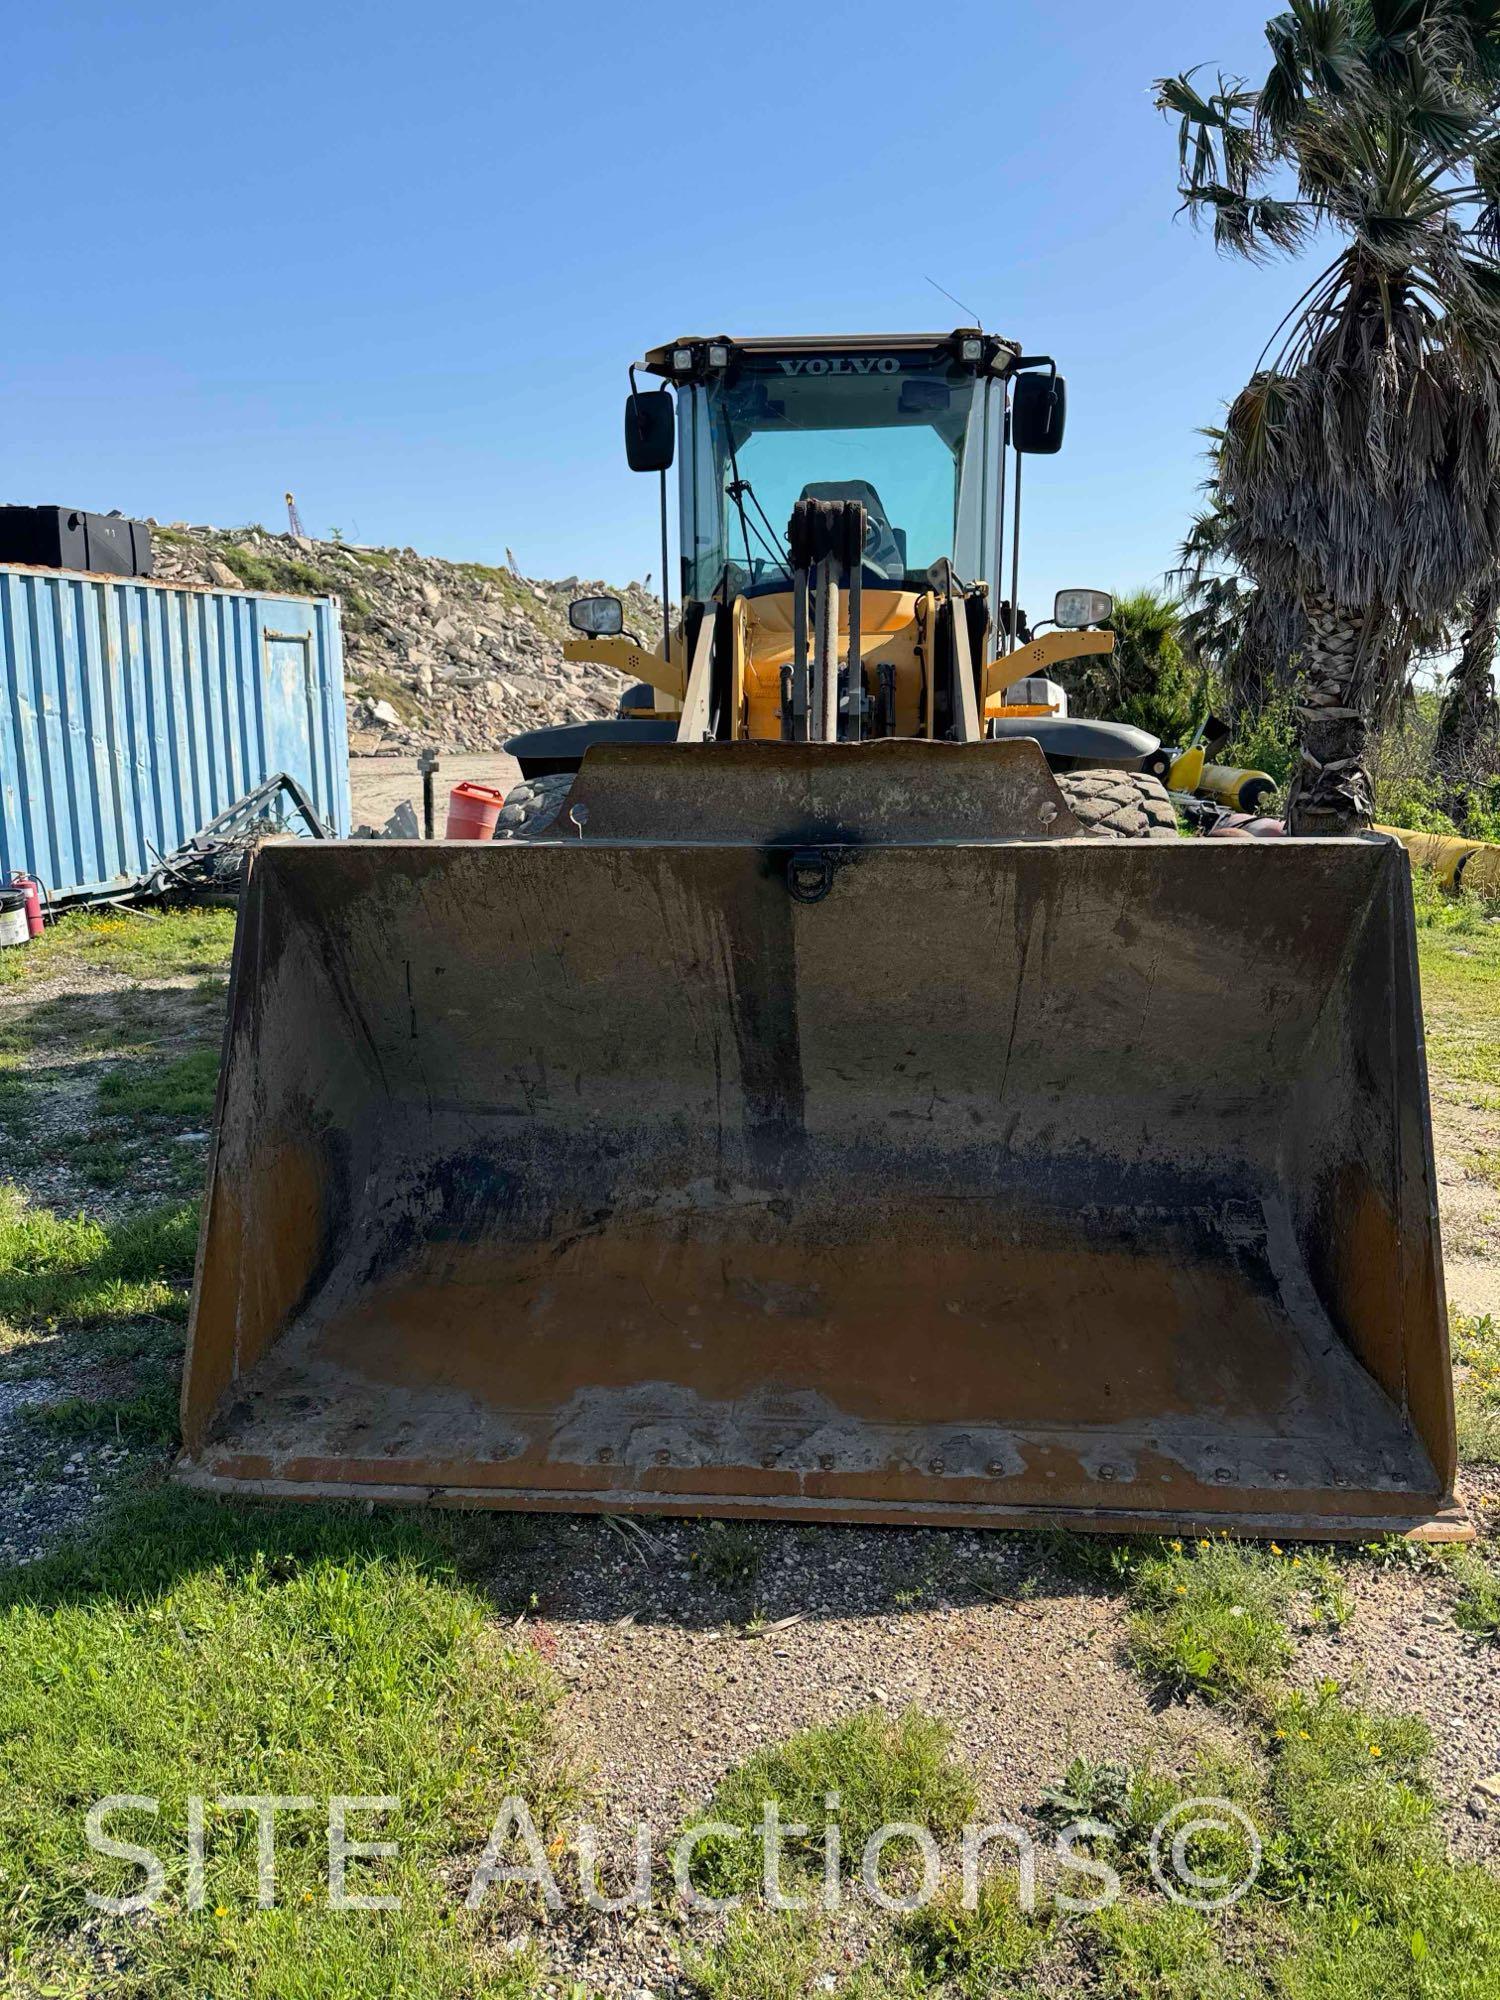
(1073, 609)
(600, 617)
(1039, 414)
(650, 430)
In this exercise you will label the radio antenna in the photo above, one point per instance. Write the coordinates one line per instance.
(958, 302)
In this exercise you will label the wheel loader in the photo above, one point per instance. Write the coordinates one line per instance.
(838, 1093)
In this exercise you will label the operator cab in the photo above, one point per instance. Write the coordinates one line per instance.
(912, 426)
(842, 528)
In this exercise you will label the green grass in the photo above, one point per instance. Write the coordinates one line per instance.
(975, 1952)
(17, 1106)
(133, 1020)
(787, 1956)
(286, 575)
(182, 1090)
(76, 1271)
(1477, 1611)
(1476, 1350)
(1380, 1908)
(376, 686)
(146, 1419)
(760, 1957)
(1356, 1879)
(143, 944)
(196, 1648)
(882, 1768)
(1161, 1951)
(98, 1158)
(1210, 1616)
(1458, 945)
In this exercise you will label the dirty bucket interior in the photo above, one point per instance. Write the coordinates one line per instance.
(1084, 1182)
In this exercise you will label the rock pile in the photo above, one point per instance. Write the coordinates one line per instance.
(458, 655)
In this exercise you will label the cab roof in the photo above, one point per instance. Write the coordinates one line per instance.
(995, 355)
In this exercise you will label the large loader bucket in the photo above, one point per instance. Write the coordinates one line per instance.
(774, 1141)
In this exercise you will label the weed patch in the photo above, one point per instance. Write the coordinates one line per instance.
(1477, 1610)
(758, 1958)
(97, 1158)
(1476, 1352)
(1356, 1894)
(728, 1556)
(974, 1952)
(1211, 1615)
(284, 575)
(146, 1419)
(878, 1769)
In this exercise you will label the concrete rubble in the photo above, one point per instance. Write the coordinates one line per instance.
(458, 655)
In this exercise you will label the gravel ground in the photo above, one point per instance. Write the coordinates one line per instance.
(672, 1678)
(377, 785)
(1400, 1649)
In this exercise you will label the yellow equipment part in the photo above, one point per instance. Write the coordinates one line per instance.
(1039, 656)
(1235, 789)
(827, 1131)
(1458, 863)
(629, 657)
(895, 630)
(1186, 774)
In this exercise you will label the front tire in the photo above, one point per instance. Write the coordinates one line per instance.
(1119, 805)
(531, 808)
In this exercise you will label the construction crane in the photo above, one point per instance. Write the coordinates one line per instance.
(295, 519)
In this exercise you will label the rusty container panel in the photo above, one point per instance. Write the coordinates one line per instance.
(133, 712)
(1069, 1180)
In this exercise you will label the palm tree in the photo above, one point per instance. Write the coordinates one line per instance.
(1359, 466)
(1468, 734)
(1248, 635)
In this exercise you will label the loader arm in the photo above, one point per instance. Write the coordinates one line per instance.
(629, 657)
(1041, 655)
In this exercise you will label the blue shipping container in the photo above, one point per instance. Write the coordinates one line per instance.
(133, 712)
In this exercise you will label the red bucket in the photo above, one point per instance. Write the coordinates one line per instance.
(472, 812)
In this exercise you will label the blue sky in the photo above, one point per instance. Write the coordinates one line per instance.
(398, 257)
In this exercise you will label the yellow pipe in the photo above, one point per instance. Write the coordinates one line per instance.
(1457, 863)
(1227, 786)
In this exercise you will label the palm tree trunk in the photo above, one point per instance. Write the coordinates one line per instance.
(1470, 712)
(1331, 791)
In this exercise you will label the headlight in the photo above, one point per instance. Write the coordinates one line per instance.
(1073, 609)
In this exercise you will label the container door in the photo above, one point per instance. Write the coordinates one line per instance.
(293, 738)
